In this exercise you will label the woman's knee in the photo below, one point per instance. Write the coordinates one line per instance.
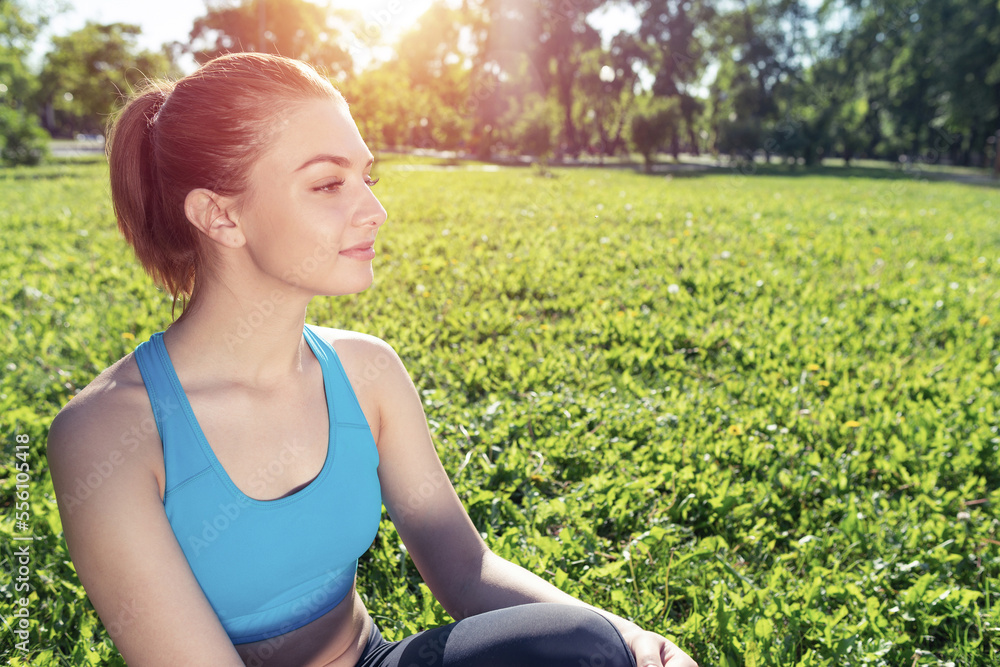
(574, 635)
(595, 641)
(530, 635)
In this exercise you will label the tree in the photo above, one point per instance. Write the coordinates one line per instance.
(527, 47)
(22, 141)
(674, 37)
(87, 72)
(564, 36)
(436, 67)
(379, 106)
(930, 75)
(18, 32)
(533, 130)
(653, 125)
(969, 33)
(607, 83)
(293, 28)
(762, 47)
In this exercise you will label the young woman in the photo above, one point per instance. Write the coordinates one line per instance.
(247, 187)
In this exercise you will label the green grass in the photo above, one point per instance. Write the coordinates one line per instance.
(758, 414)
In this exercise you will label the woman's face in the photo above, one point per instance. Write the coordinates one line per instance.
(310, 216)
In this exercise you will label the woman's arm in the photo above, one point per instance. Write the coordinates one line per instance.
(121, 543)
(464, 575)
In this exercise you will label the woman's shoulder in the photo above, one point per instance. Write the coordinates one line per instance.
(353, 347)
(118, 386)
(333, 336)
(107, 415)
(371, 364)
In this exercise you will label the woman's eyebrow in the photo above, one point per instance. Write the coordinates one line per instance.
(335, 159)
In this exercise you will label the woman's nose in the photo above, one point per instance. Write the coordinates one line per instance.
(371, 211)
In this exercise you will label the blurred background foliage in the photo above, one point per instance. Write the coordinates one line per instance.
(803, 80)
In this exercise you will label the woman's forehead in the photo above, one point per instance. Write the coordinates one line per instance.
(312, 129)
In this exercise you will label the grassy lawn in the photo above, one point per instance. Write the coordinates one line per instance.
(759, 414)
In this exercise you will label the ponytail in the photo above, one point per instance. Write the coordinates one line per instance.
(164, 242)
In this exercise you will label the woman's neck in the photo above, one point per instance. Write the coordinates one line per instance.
(246, 336)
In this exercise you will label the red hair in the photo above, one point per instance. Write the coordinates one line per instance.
(203, 131)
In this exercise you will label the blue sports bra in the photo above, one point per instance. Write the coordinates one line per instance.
(267, 566)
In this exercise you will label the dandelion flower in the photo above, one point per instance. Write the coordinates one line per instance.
(128, 335)
(852, 423)
(812, 368)
(984, 320)
(824, 383)
(735, 429)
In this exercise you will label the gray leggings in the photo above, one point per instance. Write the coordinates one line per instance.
(530, 635)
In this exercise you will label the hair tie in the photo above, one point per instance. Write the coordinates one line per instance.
(154, 109)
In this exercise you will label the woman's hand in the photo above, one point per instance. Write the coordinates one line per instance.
(653, 650)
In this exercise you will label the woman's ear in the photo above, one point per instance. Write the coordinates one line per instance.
(214, 216)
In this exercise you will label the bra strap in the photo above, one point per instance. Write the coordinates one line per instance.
(182, 454)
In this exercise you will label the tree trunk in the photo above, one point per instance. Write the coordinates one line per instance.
(565, 83)
(50, 118)
(996, 153)
(973, 152)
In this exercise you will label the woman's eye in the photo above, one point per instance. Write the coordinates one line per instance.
(329, 187)
(371, 181)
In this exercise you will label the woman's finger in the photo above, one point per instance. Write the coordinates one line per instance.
(649, 650)
(675, 657)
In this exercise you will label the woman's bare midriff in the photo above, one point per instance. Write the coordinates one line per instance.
(335, 639)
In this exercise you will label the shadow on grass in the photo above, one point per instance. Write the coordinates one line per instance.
(54, 168)
(85, 158)
(889, 172)
(869, 169)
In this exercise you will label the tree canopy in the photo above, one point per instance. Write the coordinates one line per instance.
(22, 141)
(87, 71)
(791, 78)
(294, 28)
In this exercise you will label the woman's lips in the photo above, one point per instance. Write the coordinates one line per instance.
(362, 252)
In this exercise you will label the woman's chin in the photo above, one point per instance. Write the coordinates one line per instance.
(349, 288)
